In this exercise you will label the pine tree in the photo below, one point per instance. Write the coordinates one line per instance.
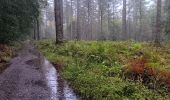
(59, 20)
(167, 21)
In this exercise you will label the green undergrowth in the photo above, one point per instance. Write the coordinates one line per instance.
(95, 70)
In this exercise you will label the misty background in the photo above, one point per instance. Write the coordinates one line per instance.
(102, 20)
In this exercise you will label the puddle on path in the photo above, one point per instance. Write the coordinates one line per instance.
(59, 88)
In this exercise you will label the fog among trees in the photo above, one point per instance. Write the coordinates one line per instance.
(140, 20)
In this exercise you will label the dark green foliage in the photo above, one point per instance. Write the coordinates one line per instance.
(16, 18)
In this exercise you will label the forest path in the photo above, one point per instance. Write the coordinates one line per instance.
(31, 77)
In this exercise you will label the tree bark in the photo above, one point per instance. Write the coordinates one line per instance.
(34, 36)
(38, 29)
(89, 19)
(78, 20)
(71, 24)
(140, 19)
(109, 17)
(101, 37)
(124, 23)
(58, 8)
(158, 22)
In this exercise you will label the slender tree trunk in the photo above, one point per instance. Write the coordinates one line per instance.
(158, 22)
(34, 33)
(140, 19)
(35, 30)
(71, 24)
(167, 23)
(89, 19)
(38, 29)
(101, 25)
(46, 26)
(67, 19)
(124, 23)
(101, 37)
(113, 31)
(58, 8)
(109, 17)
(78, 20)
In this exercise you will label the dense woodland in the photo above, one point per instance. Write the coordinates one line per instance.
(17, 17)
(105, 49)
(145, 20)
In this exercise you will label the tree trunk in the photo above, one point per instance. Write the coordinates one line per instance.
(35, 30)
(71, 24)
(124, 26)
(109, 18)
(67, 19)
(34, 36)
(38, 29)
(58, 8)
(78, 20)
(101, 37)
(140, 19)
(89, 19)
(158, 23)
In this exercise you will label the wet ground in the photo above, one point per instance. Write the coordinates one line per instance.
(31, 77)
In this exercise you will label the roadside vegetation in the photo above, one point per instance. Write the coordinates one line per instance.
(6, 53)
(112, 70)
(17, 19)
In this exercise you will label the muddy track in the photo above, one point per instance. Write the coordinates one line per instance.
(31, 77)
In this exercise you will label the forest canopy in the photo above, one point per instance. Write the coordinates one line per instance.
(16, 18)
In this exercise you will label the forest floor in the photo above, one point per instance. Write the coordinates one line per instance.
(31, 77)
(109, 70)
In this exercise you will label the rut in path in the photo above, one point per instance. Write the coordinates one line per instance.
(31, 77)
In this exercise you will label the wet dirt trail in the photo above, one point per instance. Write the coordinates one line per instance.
(31, 77)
